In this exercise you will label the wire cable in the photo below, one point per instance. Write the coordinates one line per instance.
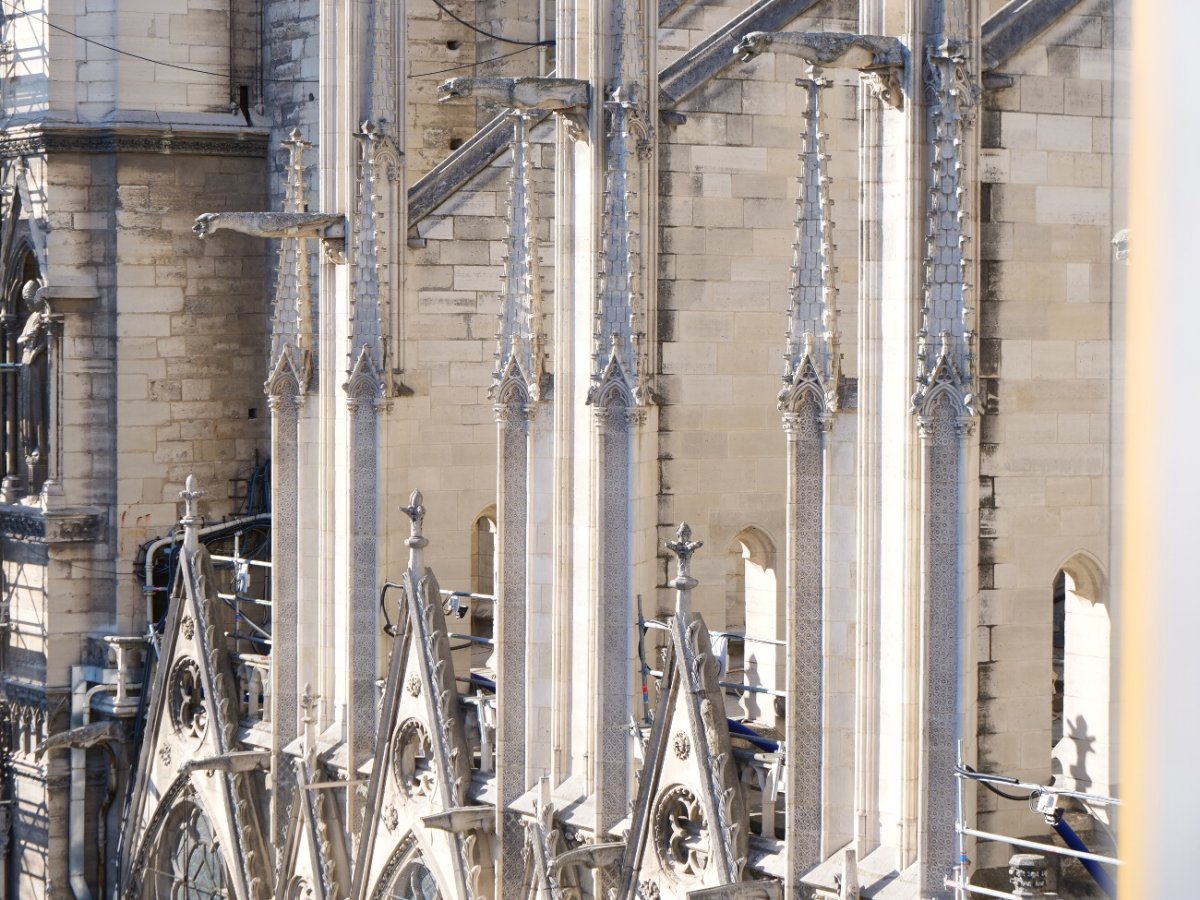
(471, 65)
(999, 793)
(13, 11)
(488, 34)
(528, 45)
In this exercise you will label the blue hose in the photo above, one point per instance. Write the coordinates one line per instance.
(754, 737)
(1102, 878)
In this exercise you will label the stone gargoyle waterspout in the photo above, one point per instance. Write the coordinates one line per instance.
(532, 92)
(878, 56)
(325, 226)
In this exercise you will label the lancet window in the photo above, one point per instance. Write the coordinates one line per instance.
(753, 622)
(1080, 676)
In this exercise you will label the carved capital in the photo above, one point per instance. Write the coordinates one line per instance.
(885, 85)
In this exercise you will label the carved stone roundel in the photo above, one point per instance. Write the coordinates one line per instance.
(188, 627)
(680, 832)
(412, 759)
(185, 695)
(413, 685)
(681, 745)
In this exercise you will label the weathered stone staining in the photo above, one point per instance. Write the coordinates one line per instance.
(542, 264)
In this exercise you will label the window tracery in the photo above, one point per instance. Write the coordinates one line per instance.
(188, 864)
(415, 882)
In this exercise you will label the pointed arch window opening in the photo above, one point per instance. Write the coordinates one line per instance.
(415, 882)
(1082, 712)
(188, 865)
(484, 532)
(751, 642)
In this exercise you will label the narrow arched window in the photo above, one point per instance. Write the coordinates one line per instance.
(753, 624)
(483, 552)
(483, 581)
(1082, 715)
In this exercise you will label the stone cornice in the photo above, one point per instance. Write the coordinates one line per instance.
(52, 137)
(29, 523)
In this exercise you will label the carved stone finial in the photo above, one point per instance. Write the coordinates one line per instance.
(308, 701)
(416, 540)
(415, 512)
(683, 547)
(191, 513)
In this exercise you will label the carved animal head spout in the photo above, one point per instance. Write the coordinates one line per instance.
(206, 224)
(752, 45)
(455, 89)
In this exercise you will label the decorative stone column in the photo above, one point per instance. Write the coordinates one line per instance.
(945, 406)
(512, 511)
(808, 400)
(286, 388)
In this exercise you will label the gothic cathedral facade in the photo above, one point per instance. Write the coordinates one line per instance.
(526, 449)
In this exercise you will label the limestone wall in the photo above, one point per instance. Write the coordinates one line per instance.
(1046, 465)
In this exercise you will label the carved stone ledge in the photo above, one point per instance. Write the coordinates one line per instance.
(547, 94)
(38, 139)
(66, 526)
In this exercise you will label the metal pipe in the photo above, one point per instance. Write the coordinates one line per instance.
(474, 639)
(970, 888)
(1102, 878)
(152, 549)
(102, 822)
(753, 689)
(1042, 848)
(959, 821)
(1094, 799)
(489, 597)
(81, 708)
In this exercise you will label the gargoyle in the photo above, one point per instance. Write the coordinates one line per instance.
(327, 226)
(827, 49)
(549, 94)
(82, 737)
(880, 58)
(238, 761)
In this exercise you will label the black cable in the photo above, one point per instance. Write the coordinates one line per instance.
(158, 62)
(999, 793)
(488, 34)
(472, 65)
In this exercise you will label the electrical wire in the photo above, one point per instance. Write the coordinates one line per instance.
(472, 65)
(488, 34)
(999, 793)
(528, 45)
(157, 62)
